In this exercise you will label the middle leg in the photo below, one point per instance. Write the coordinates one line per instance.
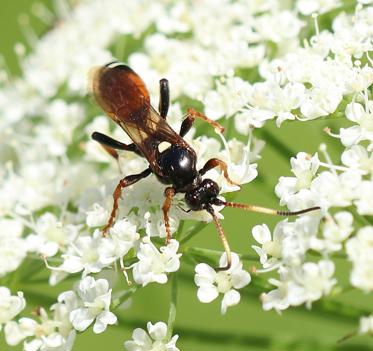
(123, 183)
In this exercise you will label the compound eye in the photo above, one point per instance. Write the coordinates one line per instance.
(210, 189)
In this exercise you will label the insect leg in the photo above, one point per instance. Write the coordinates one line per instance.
(114, 144)
(223, 239)
(215, 162)
(164, 100)
(186, 125)
(169, 194)
(126, 181)
(192, 114)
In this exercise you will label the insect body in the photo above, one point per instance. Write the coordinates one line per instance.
(122, 94)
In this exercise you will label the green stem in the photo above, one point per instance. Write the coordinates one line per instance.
(173, 303)
(124, 296)
(229, 128)
(363, 220)
(201, 252)
(192, 232)
(179, 230)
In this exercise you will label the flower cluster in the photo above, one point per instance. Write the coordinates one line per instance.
(261, 61)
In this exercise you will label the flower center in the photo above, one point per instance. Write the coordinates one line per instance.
(90, 256)
(158, 346)
(223, 281)
(304, 180)
(272, 248)
(55, 234)
(95, 307)
(46, 328)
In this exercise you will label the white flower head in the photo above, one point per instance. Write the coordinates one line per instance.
(366, 325)
(300, 284)
(47, 333)
(13, 247)
(154, 339)
(210, 283)
(97, 216)
(122, 238)
(304, 167)
(51, 235)
(335, 231)
(357, 157)
(360, 251)
(270, 246)
(363, 129)
(10, 305)
(83, 255)
(154, 264)
(96, 299)
(308, 7)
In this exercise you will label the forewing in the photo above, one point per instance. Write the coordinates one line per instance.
(121, 93)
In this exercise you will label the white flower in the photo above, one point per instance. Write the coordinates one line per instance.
(363, 130)
(277, 298)
(240, 169)
(98, 216)
(154, 339)
(153, 264)
(360, 252)
(335, 231)
(279, 26)
(48, 334)
(366, 325)
(308, 7)
(270, 247)
(304, 168)
(154, 222)
(51, 235)
(210, 283)
(300, 284)
(13, 247)
(336, 190)
(254, 117)
(314, 280)
(364, 198)
(357, 157)
(96, 298)
(122, 238)
(62, 119)
(10, 305)
(227, 98)
(83, 255)
(320, 101)
(296, 238)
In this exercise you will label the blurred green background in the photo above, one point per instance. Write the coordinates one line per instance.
(201, 326)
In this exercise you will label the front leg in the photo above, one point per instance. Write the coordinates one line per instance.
(164, 97)
(215, 162)
(169, 193)
(123, 183)
(192, 114)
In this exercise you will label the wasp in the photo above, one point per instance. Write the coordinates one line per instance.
(122, 94)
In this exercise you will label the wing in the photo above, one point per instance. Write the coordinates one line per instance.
(123, 95)
(120, 92)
